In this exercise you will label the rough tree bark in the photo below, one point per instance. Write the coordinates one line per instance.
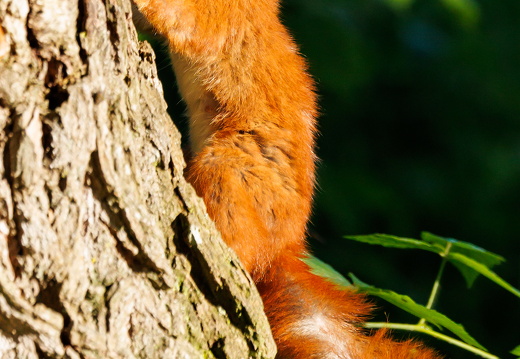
(105, 251)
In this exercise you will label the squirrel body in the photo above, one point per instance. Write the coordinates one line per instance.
(252, 110)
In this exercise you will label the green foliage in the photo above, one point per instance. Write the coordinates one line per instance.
(326, 271)
(386, 240)
(468, 265)
(408, 304)
(469, 259)
(516, 351)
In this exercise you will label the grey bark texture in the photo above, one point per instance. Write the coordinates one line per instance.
(105, 250)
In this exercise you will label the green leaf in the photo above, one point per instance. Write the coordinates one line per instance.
(437, 244)
(386, 240)
(470, 250)
(407, 304)
(482, 269)
(324, 270)
(516, 351)
(469, 274)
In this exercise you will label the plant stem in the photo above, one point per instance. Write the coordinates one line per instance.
(436, 285)
(427, 330)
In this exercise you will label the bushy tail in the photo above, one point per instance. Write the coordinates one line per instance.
(311, 318)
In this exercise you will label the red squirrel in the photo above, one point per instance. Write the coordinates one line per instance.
(252, 113)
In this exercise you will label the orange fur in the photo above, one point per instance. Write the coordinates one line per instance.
(252, 115)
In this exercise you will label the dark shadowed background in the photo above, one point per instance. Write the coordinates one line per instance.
(420, 131)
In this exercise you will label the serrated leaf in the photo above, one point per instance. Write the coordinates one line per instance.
(437, 244)
(324, 270)
(409, 305)
(482, 269)
(469, 250)
(516, 351)
(469, 274)
(386, 240)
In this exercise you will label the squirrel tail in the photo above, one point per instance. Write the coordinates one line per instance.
(313, 318)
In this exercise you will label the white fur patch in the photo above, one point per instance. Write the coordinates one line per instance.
(201, 104)
(326, 330)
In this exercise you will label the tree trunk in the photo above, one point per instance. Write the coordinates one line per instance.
(105, 250)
